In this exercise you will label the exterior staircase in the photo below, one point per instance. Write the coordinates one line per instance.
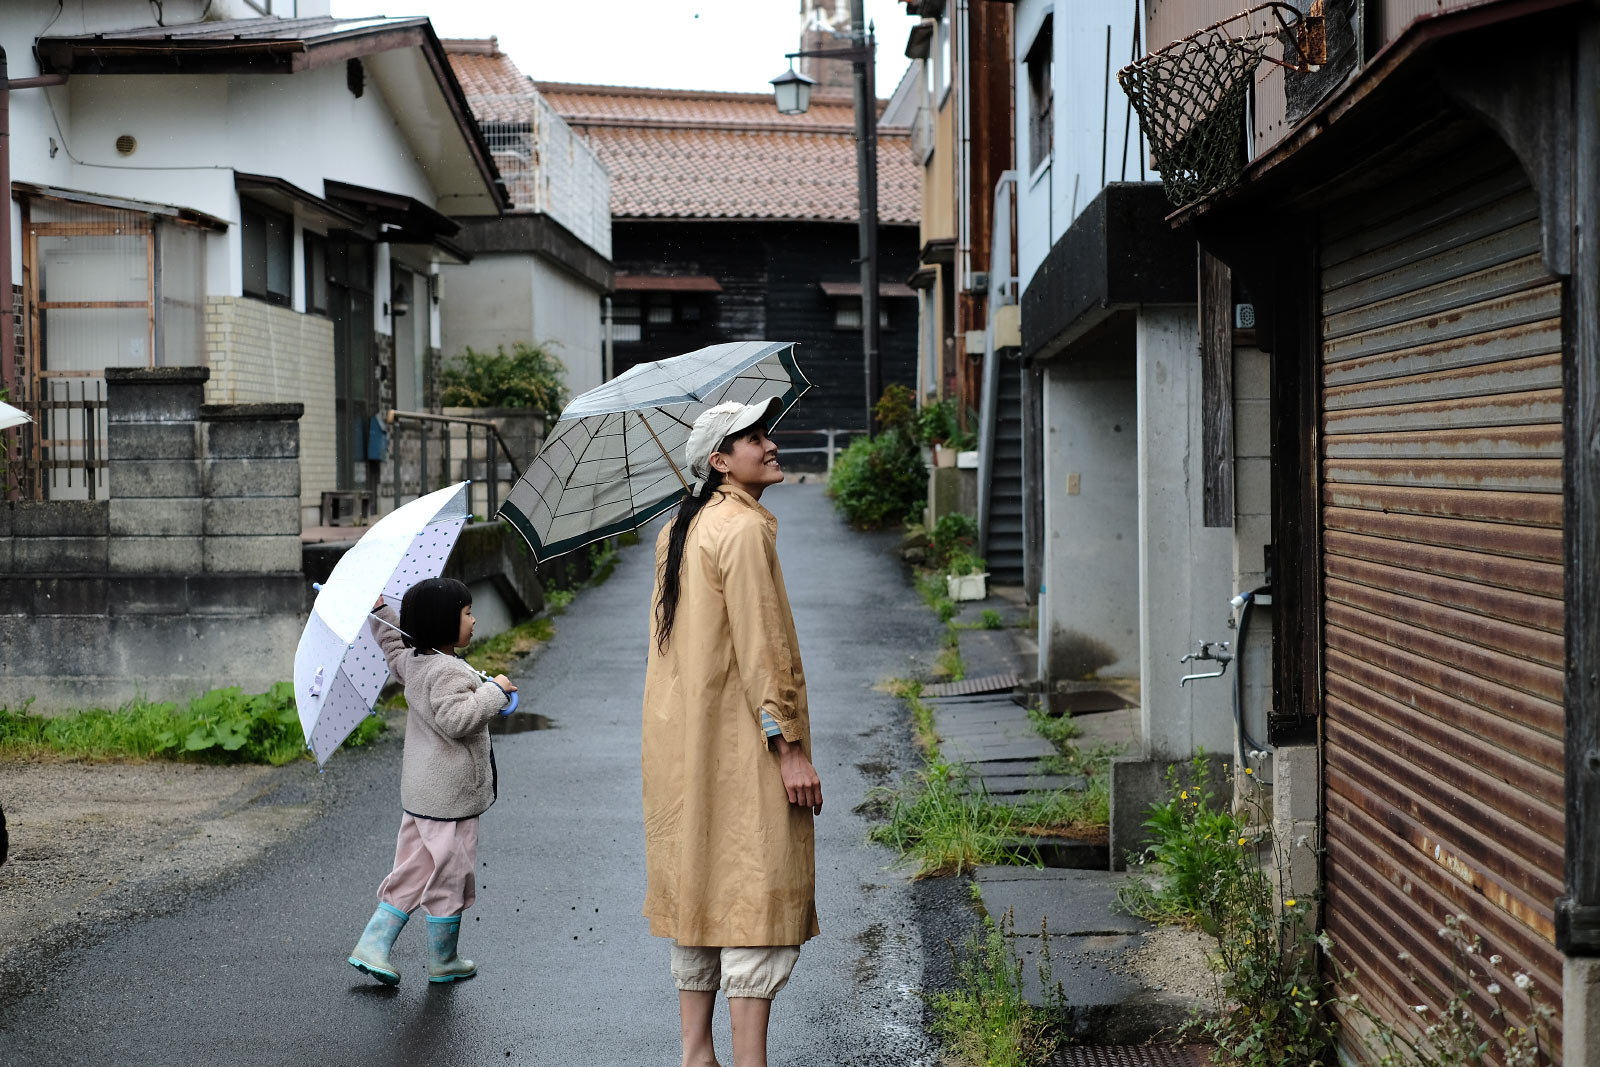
(1004, 551)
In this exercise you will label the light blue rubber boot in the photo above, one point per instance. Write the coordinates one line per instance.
(443, 963)
(371, 954)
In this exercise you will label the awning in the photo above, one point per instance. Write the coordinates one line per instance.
(939, 250)
(668, 283)
(275, 192)
(923, 278)
(890, 289)
(117, 203)
(919, 43)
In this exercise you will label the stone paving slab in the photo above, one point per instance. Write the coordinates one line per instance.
(989, 652)
(1074, 902)
(1020, 783)
(1003, 753)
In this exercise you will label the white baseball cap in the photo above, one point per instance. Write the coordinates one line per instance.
(716, 425)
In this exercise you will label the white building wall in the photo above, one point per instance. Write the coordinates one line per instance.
(499, 299)
(1090, 111)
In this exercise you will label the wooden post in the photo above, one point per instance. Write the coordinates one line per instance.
(1216, 389)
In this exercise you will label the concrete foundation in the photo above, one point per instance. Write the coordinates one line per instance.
(1580, 1010)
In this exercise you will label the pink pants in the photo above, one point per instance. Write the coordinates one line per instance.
(434, 865)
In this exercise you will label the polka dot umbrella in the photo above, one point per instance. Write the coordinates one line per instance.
(339, 668)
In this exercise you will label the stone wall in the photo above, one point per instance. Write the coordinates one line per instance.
(186, 579)
(259, 353)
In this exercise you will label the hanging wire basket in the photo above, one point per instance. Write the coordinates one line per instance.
(1191, 94)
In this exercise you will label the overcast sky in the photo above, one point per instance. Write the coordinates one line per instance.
(731, 45)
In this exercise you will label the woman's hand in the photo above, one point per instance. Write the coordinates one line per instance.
(800, 779)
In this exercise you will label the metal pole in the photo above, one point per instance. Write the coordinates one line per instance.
(866, 106)
(8, 312)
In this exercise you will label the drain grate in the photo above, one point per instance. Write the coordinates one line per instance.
(992, 683)
(1131, 1056)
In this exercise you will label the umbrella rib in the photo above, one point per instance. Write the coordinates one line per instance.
(667, 455)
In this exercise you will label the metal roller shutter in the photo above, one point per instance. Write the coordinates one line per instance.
(1442, 605)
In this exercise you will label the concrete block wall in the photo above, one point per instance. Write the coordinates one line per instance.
(187, 578)
(259, 353)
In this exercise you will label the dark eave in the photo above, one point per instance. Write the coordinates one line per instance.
(116, 203)
(288, 197)
(538, 235)
(1119, 253)
(407, 213)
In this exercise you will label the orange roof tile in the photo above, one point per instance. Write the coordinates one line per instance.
(691, 154)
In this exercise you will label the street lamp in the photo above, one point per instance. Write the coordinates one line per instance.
(793, 93)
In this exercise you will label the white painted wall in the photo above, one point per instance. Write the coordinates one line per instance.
(501, 299)
(1185, 569)
(1088, 101)
(1089, 611)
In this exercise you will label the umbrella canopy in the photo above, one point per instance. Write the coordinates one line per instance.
(614, 460)
(339, 668)
(10, 416)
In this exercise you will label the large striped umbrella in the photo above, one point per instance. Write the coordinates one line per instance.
(614, 460)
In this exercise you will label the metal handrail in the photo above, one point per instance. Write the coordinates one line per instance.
(394, 417)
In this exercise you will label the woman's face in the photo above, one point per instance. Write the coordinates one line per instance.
(750, 463)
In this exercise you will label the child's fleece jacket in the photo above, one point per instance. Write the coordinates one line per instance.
(447, 771)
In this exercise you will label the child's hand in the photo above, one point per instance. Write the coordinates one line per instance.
(379, 603)
(504, 683)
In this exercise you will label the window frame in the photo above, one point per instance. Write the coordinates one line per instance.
(1039, 63)
(265, 215)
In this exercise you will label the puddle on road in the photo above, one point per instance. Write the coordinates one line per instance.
(520, 722)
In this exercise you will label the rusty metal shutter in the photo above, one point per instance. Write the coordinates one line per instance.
(1442, 580)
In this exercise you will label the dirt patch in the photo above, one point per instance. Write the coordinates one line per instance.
(97, 842)
(1175, 961)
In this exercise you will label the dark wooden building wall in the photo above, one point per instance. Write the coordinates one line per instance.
(771, 275)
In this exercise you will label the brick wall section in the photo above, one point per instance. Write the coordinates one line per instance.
(187, 578)
(259, 353)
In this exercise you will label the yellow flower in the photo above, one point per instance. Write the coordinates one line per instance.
(1184, 795)
(1289, 903)
(1247, 770)
(1241, 840)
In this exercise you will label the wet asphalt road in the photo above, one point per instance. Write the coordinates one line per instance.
(253, 972)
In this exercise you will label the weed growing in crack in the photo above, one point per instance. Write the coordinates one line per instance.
(986, 1021)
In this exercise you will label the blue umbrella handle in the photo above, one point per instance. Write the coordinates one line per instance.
(509, 708)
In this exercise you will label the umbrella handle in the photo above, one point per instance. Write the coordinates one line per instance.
(509, 708)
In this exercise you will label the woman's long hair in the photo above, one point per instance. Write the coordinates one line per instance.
(670, 580)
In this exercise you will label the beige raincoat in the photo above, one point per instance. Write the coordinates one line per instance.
(728, 859)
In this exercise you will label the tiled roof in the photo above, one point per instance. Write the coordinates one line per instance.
(687, 154)
(497, 89)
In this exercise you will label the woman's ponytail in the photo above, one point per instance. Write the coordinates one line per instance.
(670, 580)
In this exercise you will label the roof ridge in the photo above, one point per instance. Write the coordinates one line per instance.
(658, 93)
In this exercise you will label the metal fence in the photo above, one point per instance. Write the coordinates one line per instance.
(429, 451)
(61, 454)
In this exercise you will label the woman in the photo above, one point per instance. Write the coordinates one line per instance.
(729, 788)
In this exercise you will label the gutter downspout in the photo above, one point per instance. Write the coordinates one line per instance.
(1002, 291)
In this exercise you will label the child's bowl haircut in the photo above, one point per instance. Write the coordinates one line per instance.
(430, 613)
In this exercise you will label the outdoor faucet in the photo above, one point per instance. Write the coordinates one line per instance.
(1216, 651)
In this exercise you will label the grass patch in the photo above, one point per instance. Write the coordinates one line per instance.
(557, 601)
(986, 1021)
(939, 823)
(935, 593)
(910, 691)
(497, 654)
(1074, 760)
(948, 665)
(220, 726)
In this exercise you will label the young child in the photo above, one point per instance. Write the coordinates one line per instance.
(447, 777)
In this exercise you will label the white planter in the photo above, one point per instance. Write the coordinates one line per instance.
(966, 586)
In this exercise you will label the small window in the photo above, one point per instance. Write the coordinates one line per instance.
(1041, 99)
(625, 319)
(660, 311)
(316, 273)
(847, 313)
(268, 255)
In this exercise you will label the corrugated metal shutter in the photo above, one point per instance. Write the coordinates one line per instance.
(1442, 580)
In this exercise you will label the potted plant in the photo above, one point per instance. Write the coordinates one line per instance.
(965, 577)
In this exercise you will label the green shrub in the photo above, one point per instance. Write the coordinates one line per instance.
(951, 533)
(963, 562)
(896, 409)
(879, 481)
(530, 377)
(221, 726)
(935, 422)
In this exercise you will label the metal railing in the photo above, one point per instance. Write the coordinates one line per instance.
(431, 451)
(831, 448)
(61, 454)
